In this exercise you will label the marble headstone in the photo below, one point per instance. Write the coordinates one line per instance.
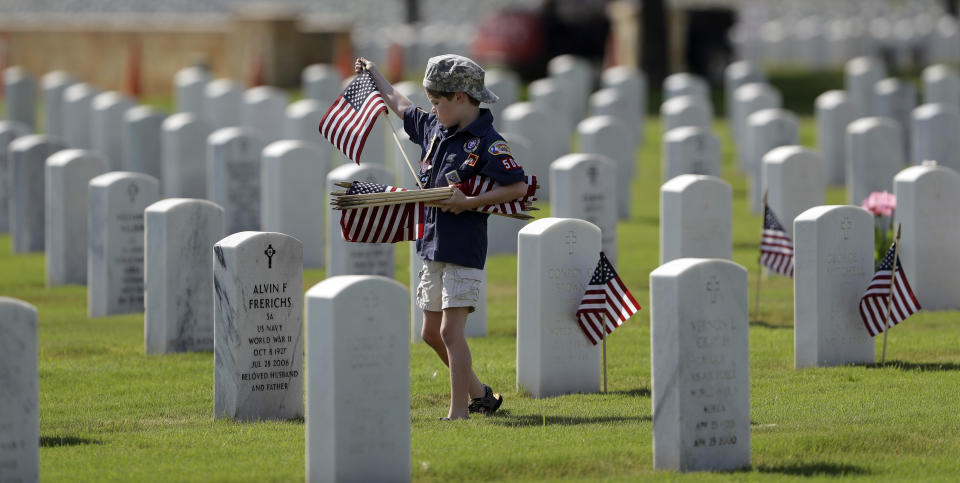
(793, 179)
(115, 250)
(685, 84)
(53, 84)
(586, 189)
(351, 258)
(606, 136)
(766, 130)
(264, 110)
(357, 358)
(936, 135)
(233, 176)
(874, 157)
(534, 124)
(556, 258)
(321, 83)
(302, 119)
(690, 150)
(700, 365)
(941, 85)
(183, 152)
(222, 103)
(834, 111)
(27, 156)
(748, 99)
(575, 79)
(861, 74)
(76, 115)
(833, 265)
(258, 327)
(9, 131)
(188, 86)
(67, 179)
(739, 73)
(631, 84)
(928, 209)
(20, 96)
(696, 213)
(547, 95)
(503, 83)
(896, 99)
(142, 141)
(19, 393)
(106, 126)
(289, 199)
(686, 111)
(178, 305)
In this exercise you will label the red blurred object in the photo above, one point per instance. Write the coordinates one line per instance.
(255, 73)
(511, 37)
(343, 57)
(395, 62)
(132, 77)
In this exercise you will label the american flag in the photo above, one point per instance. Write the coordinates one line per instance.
(478, 184)
(607, 303)
(776, 247)
(349, 120)
(873, 305)
(381, 224)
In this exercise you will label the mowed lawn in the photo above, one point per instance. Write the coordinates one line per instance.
(109, 412)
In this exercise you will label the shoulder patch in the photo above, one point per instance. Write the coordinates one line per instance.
(499, 148)
(471, 145)
(509, 163)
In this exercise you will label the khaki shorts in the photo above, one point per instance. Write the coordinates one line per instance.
(445, 285)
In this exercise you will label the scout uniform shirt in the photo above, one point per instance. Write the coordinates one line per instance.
(450, 157)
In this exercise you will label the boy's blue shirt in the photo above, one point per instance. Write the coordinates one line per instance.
(453, 157)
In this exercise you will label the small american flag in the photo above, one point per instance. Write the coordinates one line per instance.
(873, 305)
(607, 303)
(381, 224)
(478, 184)
(349, 120)
(776, 247)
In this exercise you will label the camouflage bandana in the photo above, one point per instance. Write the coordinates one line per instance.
(455, 73)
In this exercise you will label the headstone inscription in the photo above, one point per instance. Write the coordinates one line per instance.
(586, 188)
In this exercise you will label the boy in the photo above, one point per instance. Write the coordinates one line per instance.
(457, 141)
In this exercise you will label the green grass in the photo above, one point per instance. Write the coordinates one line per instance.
(109, 412)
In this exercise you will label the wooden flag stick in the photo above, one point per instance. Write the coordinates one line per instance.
(756, 298)
(893, 276)
(603, 343)
(393, 130)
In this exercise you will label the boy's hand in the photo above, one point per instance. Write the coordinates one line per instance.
(363, 64)
(457, 203)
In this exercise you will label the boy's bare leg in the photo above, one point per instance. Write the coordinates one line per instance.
(463, 381)
(430, 332)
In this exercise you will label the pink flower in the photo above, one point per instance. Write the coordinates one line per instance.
(880, 203)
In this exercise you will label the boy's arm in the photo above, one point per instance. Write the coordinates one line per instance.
(460, 202)
(396, 101)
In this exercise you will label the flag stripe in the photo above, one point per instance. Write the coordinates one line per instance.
(605, 304)
(877, 298)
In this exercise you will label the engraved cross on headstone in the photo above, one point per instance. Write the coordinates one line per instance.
(132, 190)
(370, 304)
(713, 287)
(592, 174)
(845, 225)
(571, 238)
(270, 252)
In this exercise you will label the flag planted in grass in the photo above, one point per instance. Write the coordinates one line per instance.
(776, 247)
(873, 305)
(606, 304)
(349, 120)
(384, 223)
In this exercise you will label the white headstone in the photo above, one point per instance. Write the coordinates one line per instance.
(748, 99)
(685, 84)
(223, 103)
(696, 214)
(289, 199)
(76, 115)
(700, 365)
(302, 123)
(690, 150)
(20, 96)
(142, 141)
(928, 209)
(233, 176)
(793, 179)
(860, 76)
(631, 84)
(874, 157)
(896, 99)
(357, 358)
(184, 156)
(68, 175)
(534, 124)
(575, 77)
(833, 265)
(547, 95)
(936, 135)
(321, 82)
(586, 188)
(686, 111)
(606, 136)
(188, 86)
(264, 110)
(178, 304)
(258, 327)
(739, 73)
(106, 126)
(27, 156)
(503, 83)
(834, 111)
(416, 93)
(556, 258)
(350, 258)
(115, 252)
(941, 84)
(501, 230)
(9, 130)
(54, 84)
(19, 393)
(766, 130)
